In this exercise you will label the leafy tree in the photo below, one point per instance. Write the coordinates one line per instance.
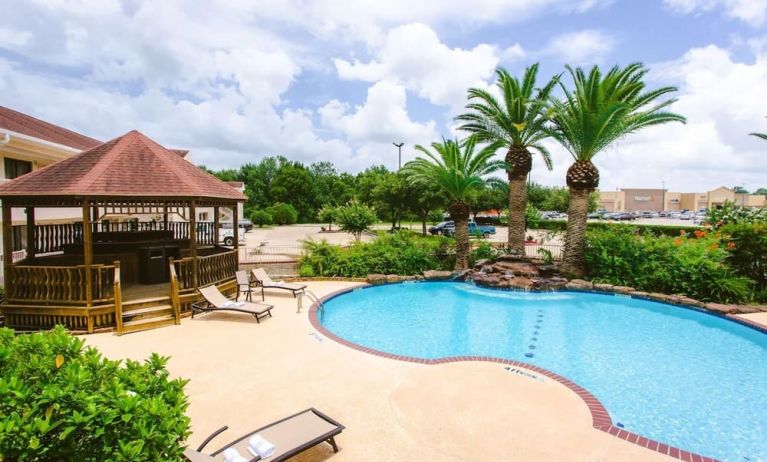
(391, 197)
(328, 214)
(740, 190)
(491, 198)
(762, 191)
(599, 110)
(425, 200)
(356, 218)
(260, 218)
(293, 184)
(458, 171)
(532, 217)
(283, 214)
(516, 121)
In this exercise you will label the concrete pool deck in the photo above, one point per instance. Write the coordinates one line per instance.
(245, 375)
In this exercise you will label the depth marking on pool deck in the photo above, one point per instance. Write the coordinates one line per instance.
(529, 375)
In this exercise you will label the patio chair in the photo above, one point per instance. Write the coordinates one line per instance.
(243, 285)
(290, 437)
(216, 301)
(265, 282)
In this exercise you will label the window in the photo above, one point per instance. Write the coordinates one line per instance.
(15, 168)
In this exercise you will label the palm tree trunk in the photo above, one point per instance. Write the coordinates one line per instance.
(459, 212)
(574, 264)
(517, 201)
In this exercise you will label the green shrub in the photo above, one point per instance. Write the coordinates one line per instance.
(532, 217)
(283, 214)
(261, 218)
(61, 401)
(731, 214)
(400, 253)
(484, 251)
(691, 264)
(746, 245)
(328, 214)
(650, 230)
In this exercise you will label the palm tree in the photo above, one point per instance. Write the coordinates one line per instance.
(517, 121)
(457, 171)
(598, 111)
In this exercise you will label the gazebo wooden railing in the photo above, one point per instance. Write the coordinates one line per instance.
(64, 293)
(215, 269)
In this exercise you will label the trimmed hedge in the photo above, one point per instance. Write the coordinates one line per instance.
(653, 230)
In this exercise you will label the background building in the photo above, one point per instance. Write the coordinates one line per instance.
(656, 200)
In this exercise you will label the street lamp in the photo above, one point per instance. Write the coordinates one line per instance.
(399, 151)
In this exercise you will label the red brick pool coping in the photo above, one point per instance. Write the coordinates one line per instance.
(600, 419)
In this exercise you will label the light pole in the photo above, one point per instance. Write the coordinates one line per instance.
(399, 152)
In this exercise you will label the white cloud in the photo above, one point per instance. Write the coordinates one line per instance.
(580, 48)
(414, 56)
(382, 119)
(753, 12)
(513, 53)
(723, 102)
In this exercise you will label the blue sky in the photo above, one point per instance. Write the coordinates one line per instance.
(236, 80)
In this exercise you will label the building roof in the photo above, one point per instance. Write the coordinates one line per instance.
(132, 165)
(179, 152)
(27, 125)
(235, 184)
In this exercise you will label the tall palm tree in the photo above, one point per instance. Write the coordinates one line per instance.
(517, 120)
(457, 170)
(599, 110)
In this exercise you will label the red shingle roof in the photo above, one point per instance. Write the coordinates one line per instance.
(30, 126)
(132, 166)
(180, 152)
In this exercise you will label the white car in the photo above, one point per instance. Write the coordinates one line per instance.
(226, 237)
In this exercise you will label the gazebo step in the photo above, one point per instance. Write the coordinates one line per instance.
(131, 305)
(150, 323)
(148, 312)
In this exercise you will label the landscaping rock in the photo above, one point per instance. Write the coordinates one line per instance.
(623, 289)
(637, 293)
(579, 284)
(747, 309)
(434, 275)
(392, 278)
(376, 279)
(604, 287)
(462, 275)
(481, 263)
(659, 297)
(722, 308)
(516, 267)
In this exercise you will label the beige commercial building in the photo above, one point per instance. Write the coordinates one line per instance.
(656, 200)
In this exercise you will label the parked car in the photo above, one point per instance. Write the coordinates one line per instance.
(649, 214)
(440, 228)
(474, 230)
(244, 225)
(687, 216)
(226, 237)
(622, 216)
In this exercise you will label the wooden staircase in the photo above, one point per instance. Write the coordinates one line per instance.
(147, 313)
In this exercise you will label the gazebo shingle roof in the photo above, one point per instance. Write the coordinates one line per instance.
(132, 165)
(27, 125)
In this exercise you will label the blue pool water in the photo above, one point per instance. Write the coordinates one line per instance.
(679, 376)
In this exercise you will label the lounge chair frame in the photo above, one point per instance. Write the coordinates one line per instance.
(269, 284)
(328, 437)
(205, 306)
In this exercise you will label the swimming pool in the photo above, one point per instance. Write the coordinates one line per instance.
(682, 377)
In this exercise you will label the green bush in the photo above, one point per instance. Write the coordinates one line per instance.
(746, 245)
(691, 264)
(261, 218)
(401, 253)
(483, 251)
(650, 230)
(533, 217)
(731, 214)
(61, 401)
(283, 214)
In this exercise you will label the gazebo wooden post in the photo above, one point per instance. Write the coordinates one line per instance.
(7, 245)
(165, 217)
(88, 260)
(216, 225)
(236, 235)
(193, 241)
(30, 232)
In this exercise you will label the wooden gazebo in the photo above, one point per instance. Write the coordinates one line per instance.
(78, 273)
